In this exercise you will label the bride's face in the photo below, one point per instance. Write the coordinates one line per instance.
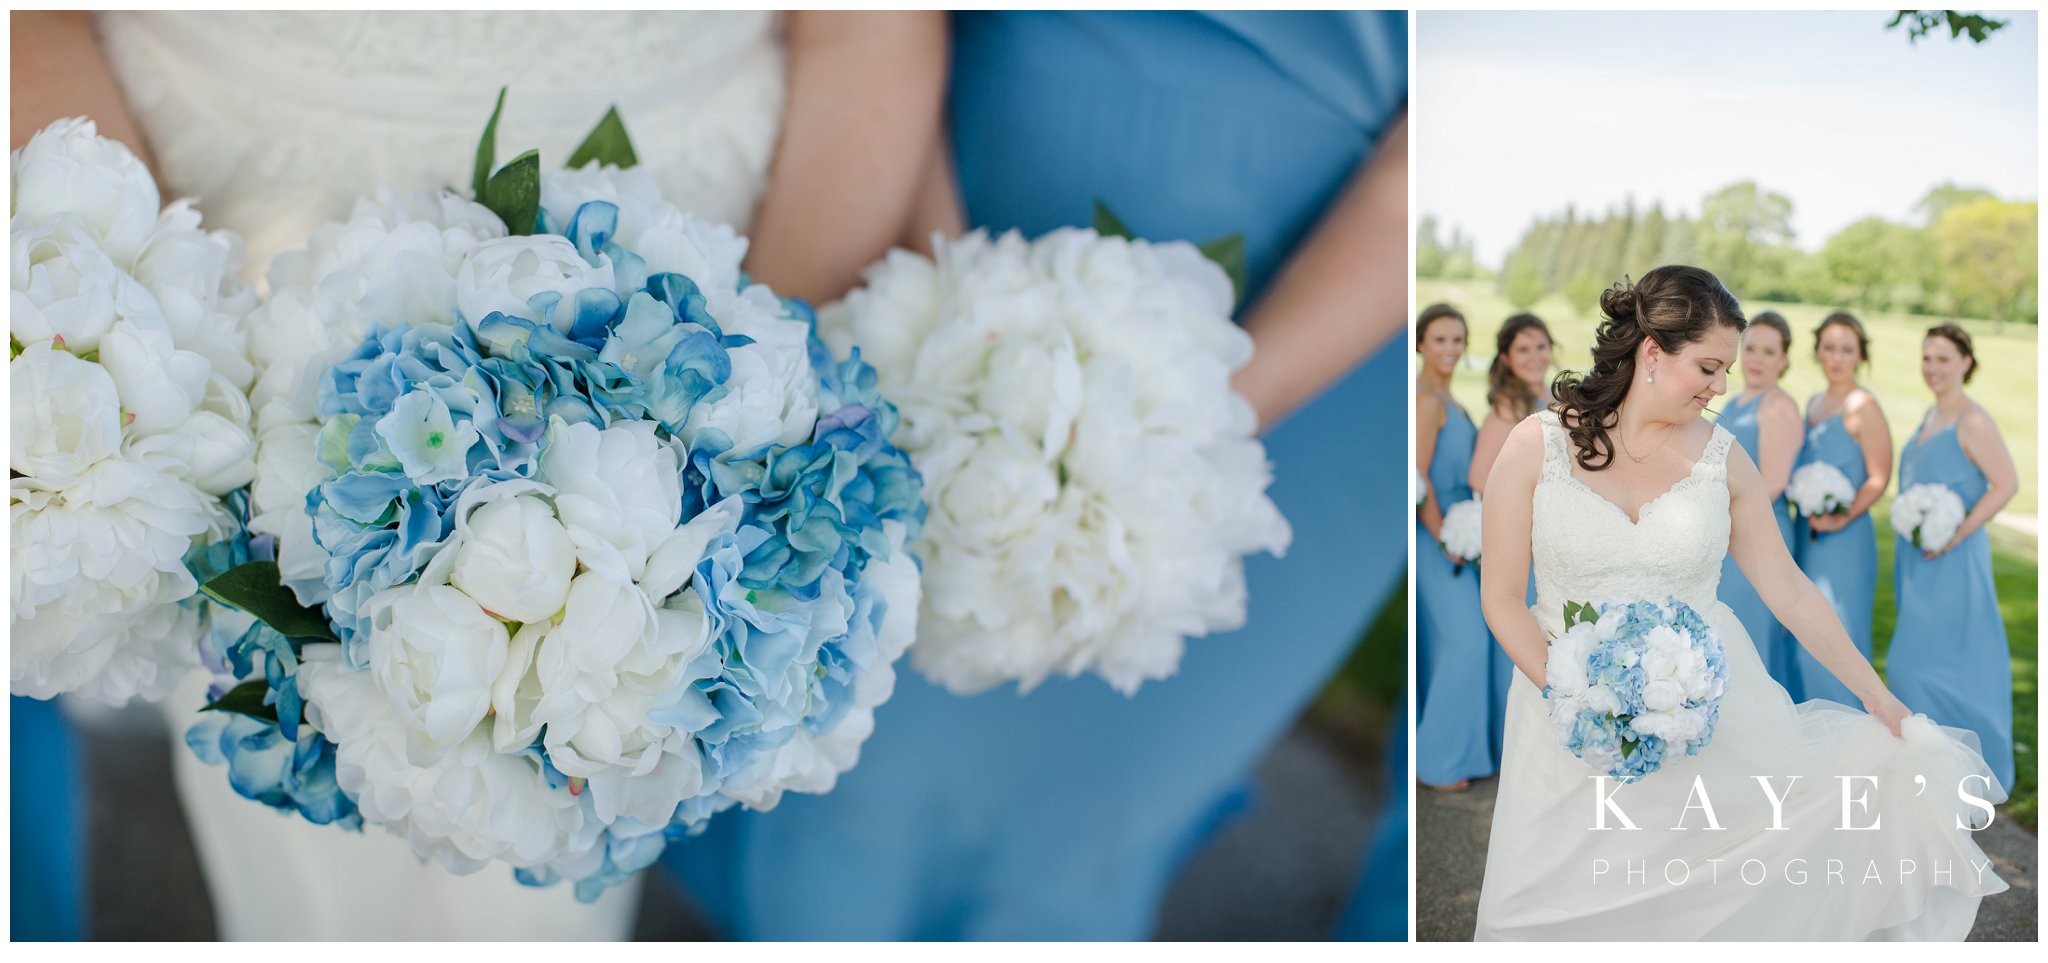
(1692, 377)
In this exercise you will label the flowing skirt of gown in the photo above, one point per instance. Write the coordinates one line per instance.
(1916, 876)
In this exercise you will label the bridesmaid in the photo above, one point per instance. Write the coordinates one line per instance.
(1517, 386)
(1949, 656)
(1845, 428)
(1456, 659)
(1067, 813)
(1765, 421)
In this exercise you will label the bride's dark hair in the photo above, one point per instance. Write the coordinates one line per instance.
(1674, 305)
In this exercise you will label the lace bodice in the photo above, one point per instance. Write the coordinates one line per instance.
(1584, 547)
(277, 120)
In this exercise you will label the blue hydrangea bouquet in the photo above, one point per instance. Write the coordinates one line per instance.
(1632, 681)
(565, 535)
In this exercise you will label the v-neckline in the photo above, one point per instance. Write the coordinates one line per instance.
(1643, 510)
(1919, 441)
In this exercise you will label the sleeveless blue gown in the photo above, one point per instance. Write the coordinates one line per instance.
(1949, 657)
(1065, 814)
(1461, 674)
(1773, 644)
(1842, 564)
(47, 861)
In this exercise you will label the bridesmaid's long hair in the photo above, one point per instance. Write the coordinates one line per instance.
(1674, 305)
(1503, 388)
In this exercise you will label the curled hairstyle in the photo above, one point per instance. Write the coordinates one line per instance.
(1847, 320)
(1503, 388)
(1674, 305)
(1430, 315)
(1776, 322)
(1954, 334)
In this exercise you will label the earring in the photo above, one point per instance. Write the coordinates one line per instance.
(1651, 378)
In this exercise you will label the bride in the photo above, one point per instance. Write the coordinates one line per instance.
(1814, 821)
(277, 120)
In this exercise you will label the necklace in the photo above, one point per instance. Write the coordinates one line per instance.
(1632, 455)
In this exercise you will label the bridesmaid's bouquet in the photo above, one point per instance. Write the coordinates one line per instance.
(1460, 532)
(1094, 481)
(1928, 514)
(580, 536)
(1421, 486)
(1818, 488)
(1631, 681)
(130, 430)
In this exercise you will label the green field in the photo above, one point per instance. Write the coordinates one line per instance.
(2005, 386)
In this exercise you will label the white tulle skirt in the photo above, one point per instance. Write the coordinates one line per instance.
(1903, 866)
(275, 876)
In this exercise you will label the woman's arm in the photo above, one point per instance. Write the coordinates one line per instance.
(60, 72)
(1779, 433)
(1759, 551)
(1341, 294)
(1487, 447)
(1985, 448)
(1505, 516)
(1429, 419)
(865, 90)
(1865, 421)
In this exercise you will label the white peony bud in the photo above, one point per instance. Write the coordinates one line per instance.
(507, 272)
(65, 415)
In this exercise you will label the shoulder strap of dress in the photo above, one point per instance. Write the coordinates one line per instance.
(1556, 446)
(1714, 460)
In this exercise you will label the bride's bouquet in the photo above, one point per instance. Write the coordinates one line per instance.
(1460, 532)
(1928, 514)
(129, 420)
(1631, 681)
(1094, 481)
(1818, 488)
(580, 536)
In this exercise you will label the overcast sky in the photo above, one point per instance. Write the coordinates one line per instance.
(1517, 114)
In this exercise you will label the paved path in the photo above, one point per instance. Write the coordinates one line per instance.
(1450, 856)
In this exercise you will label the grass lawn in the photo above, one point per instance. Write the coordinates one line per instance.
(2004, 385)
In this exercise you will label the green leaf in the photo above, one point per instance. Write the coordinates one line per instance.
(257, 588)
(13, 347)
(1108, 224)
(246, 699)
(1228, 253)
(606, 144)
(487, 150)
(515, 193)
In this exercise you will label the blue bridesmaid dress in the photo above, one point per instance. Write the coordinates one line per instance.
(1379, 905)
(1842, 564)
(1461, 674)
(46, 862)
(1949, 657)
(1066, 813)
(1773, 644)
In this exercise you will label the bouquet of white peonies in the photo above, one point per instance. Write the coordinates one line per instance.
(1421, 486)
(1460, 532)
(581, 536)
(1818, 488)
(1928, 515)
(130, 418)
(1094, 481)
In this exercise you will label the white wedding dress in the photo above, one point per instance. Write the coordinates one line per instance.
(276, 122)
(1551, 875)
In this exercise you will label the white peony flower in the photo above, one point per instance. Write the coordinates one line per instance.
(1928, 514)
(67, 289)
(1461, 529)
(67, 169)
(619, 491)
(435, 654)
(1094, 482)
(507, 273)
(160, 385)
(65, 416)
(1818, 488)
(509, 552)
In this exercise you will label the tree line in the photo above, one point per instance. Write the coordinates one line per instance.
(1966, 253)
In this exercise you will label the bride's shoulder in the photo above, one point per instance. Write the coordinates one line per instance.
(1524, 448)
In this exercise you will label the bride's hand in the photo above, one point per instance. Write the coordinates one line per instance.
(1887, 708)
